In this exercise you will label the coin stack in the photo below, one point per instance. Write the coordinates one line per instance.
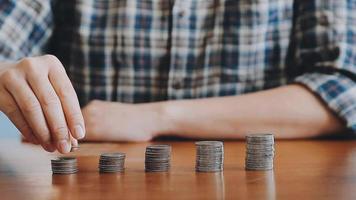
(158, 158)
(112, 162)
(209, 156)
(259, 152)
(64, 165)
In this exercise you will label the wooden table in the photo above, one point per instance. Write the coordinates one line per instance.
(303, 170)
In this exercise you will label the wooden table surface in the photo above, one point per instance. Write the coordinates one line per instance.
(303, 170)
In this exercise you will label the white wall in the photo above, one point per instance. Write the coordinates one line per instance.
(7, 130)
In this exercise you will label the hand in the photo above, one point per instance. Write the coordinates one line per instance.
(113, 121)
(38, 97)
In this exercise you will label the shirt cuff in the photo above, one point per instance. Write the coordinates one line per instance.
(337, 91)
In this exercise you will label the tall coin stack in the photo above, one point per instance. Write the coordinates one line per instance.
(64, 165)
(112, 162)
(157, 158)
(209, 156)
(259, 152)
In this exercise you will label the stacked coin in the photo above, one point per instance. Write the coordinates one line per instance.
(158, 158)
(259, 152)
(112, 162)
(64, 165)
(209, 156)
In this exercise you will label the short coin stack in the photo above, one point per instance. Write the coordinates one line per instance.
(157, 158)
(112, 162)
(209, 156)
(259, 152)
(64, 165)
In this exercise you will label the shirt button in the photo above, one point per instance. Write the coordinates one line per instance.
(181, 13)
(324, 20)
(177, 84)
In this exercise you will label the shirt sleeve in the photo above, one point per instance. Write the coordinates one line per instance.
(25, 28)
(325, 53)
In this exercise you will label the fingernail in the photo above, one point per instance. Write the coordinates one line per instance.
(79, 132)
(74, 148)
(64, 146)
(48, 147)
(74, 142)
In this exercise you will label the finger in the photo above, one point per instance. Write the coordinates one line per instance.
(25, 140)
(75, 145)
(69, 100)
(11, 110)
(74, 141)
(31, 110)
(52, 109)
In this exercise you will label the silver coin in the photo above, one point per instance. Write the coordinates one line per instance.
(157, 158)
(64, 165)
(112, 162)
(209, 156)
(260, 152)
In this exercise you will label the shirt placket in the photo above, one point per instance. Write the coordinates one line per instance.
(179, 44)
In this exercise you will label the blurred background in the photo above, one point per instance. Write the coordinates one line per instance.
(7, 130)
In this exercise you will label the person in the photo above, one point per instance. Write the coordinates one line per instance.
(135, 70)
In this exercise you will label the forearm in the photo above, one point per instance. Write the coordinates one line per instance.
(289, 112)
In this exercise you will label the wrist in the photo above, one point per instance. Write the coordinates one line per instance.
(163, 118)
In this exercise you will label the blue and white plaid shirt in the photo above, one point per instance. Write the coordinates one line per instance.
(154, 50)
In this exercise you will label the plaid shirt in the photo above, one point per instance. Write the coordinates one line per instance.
(154, 50)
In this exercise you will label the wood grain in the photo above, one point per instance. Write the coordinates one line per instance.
(303, 170)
